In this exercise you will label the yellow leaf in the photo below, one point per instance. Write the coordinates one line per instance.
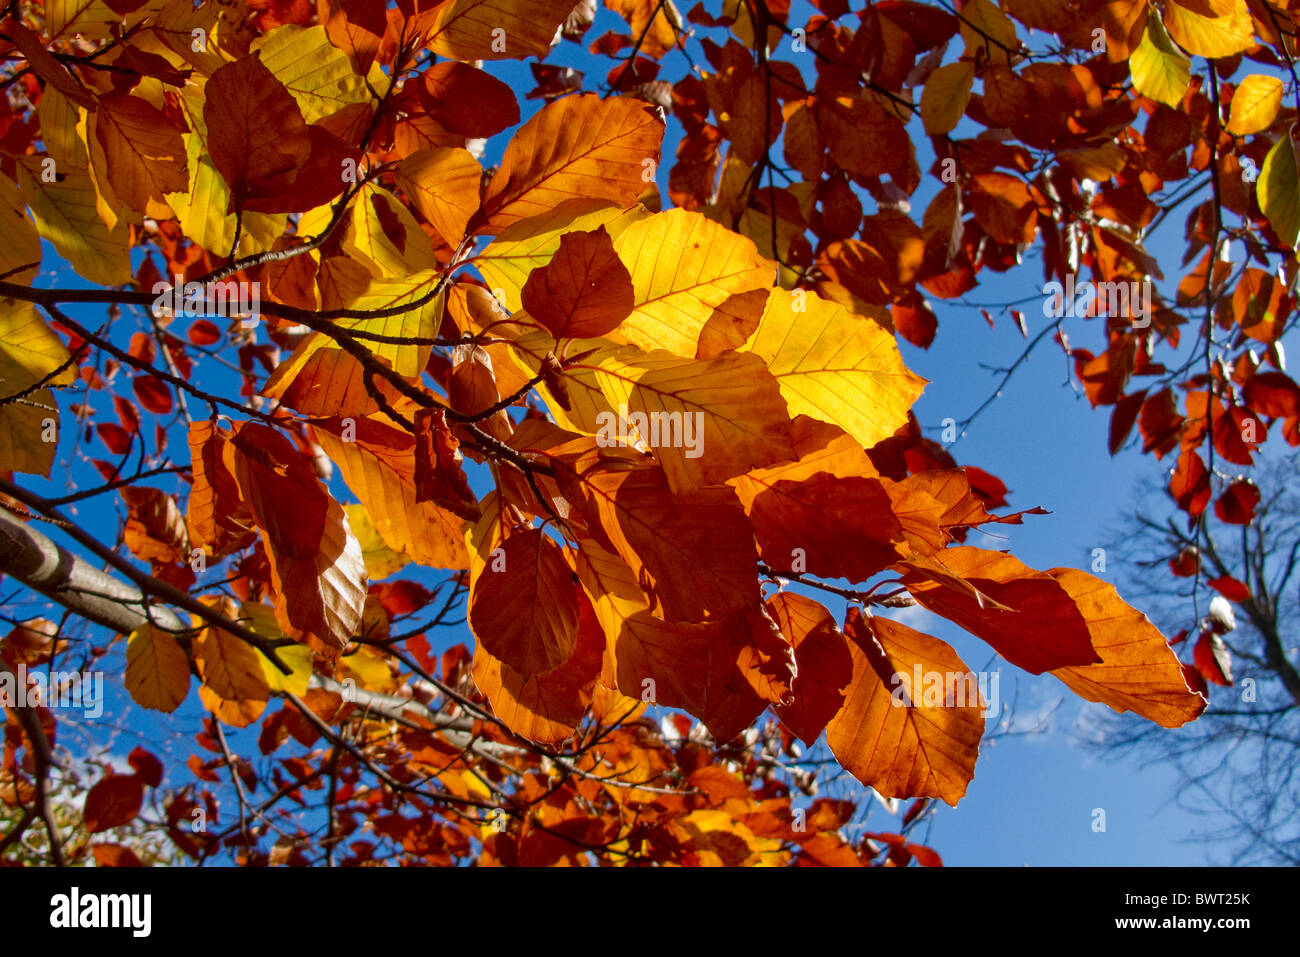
(707, 420)
(174, 27)
(20, 245)
(683, 266)
(317, 73)
(1255, 104)
(1278, 191)
(29, 433)
(65, 215)
(579, 146)
(59, 116)
(260, 619)
(530, 243)
(378, 465)
(835, 366)
(1160, 70)
(945, 95)
(29, 353)
(369, 669)
(229, 667)
(381, 561)
(29, 349)
(385, 256)
(407, 359)
(444, 186)
(496, 29)
(655, 21)
(1211, 36)
(90, 18)
(986, 28)
(157, 671)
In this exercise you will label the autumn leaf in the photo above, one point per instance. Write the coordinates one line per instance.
(256, 133)
(835, 366)
(1160, 70)
(495, 29)
(584, 292)
(1039, 629)
(579, 146)
(1255, 104)
(157, 670)
(945, 95)
(113, 801)
(901, 738)
(146, 155)
(523, 604)
(1138, 671)
(823, 661)
(317, 572)
(444, 186)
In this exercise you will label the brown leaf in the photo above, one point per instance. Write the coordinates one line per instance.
(900, 739)
(584, 292)
(523, 604)
(257, 138)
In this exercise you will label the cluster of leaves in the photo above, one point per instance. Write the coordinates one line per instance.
(418, 309)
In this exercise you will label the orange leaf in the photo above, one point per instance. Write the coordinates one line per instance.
(545, 707)
(825, 666)
(145, 152)
(584, 292)
(694, 551)
(925, 749)
(523, 605)
(1038, 630)
(113, 801)
(578, 146)
(1138, 670)
(257, 137)
(317, 572)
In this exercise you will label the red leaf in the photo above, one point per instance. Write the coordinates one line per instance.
(127, 414)
(915, 321)
(1212, 660)
(115, 437)
(1231, 589)
(988, 487)
(142, 347)
(153, 394)
(1236, 505)
(1186, 563)
(204, 332)
(115, 855)
(257, 138)
(114, 800)
(468, 101)
(584, 292)
(1122, 419)
(1190, 485)
(1273, 394)
(147, 767)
